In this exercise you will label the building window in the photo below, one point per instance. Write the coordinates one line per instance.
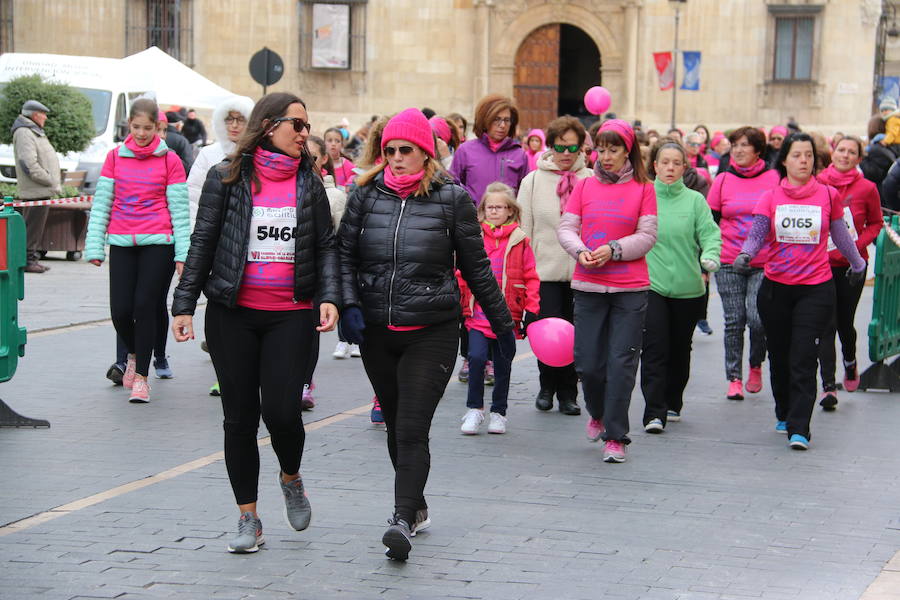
(167, 24)
(6, 26)
(794, 48)
(333, 35)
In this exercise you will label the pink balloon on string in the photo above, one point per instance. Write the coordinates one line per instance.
(597, 100)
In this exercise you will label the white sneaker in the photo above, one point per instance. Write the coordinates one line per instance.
(472, 421)
(654, 426)
(354, 351)
(497, 424)
(342, 350)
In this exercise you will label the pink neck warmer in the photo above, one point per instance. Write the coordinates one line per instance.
(623, 175)
(403, 185)
(799, 191)
(494, 146)
(274, 166)
(836, 178)
(142, 151)
(752, 171)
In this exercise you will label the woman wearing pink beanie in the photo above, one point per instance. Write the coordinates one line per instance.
(406, 228)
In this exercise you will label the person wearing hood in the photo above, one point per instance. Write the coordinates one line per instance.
(542, 197)
(677, 297)
(229, 120)
(535, 146)
(177, 142)
(140, 209)
(496, 154)
(447, 139)
(37, 176)
(891, 116)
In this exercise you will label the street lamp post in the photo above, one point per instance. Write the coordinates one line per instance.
(677, 4)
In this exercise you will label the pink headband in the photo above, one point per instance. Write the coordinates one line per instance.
(715, 141)
(622, 129)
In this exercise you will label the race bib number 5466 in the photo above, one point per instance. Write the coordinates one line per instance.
(272, 234)
(798, 224)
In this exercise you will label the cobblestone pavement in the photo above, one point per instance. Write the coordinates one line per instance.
(132, 501)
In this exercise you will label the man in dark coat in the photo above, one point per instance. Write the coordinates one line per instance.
(177, 142)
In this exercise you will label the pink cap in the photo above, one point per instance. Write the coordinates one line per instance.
(410, 125)
(778, 129)
(161, 116)
(440, 128)
(715, 141)
(623, 129)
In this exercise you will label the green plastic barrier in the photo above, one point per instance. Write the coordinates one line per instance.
(12, 290)
(884, 328)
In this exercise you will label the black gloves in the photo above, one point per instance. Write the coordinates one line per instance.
(856, 278)
(741, 263)
(352, 325)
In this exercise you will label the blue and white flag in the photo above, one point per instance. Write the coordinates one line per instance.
(890, 88)
(691, 79)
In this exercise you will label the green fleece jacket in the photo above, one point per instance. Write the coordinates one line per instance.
(686, 235)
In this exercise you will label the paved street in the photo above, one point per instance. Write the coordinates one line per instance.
(132, 501)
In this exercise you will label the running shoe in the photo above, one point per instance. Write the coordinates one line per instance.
(306, 400)
(829, 401)
(781, 427)
(422, 522)
(497, 424)
(397, 539)
(673, 416)
(354, 351)
(544, 400)
(735, 390)
(614, 452)
(463, 374)
(128, 377)
(297, 511)
(798, 442)
(162, 368)
(851, 376)
(489, 373)
(754, 380)
(375, 415)
(704, 327)
(214, 390)
(594, 429)
(140, 391)
(342, 350)
(249, 537)
(472, 420)
(115, 373)
(654, 426)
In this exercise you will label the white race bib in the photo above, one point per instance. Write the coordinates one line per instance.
(798, 224)
(848, 221)
(272, 234)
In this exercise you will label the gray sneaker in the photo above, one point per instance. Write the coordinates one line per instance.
(422, 521)
(297, 511)
(397, 539)
(249, 537)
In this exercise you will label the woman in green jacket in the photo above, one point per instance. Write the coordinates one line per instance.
(686, 231)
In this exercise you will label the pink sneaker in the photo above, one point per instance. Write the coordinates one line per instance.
(851, 377)
(128, 377)
(140, 391)
(594, 429)
(614, 452)
(735, 390)
(306, 401)
(754, 381)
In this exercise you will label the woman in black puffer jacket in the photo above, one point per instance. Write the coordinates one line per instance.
(405, 230)
(263, 250)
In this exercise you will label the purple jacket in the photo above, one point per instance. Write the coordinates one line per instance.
(475, 166)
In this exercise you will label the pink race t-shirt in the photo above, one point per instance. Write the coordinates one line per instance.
(343, 175)
(735, 198)
(609, 212)
(798, 234)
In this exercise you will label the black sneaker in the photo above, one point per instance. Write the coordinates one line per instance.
(829, 401)
(115, 373)
(397, 539)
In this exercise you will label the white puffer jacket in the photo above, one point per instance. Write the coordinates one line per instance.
(540, 217)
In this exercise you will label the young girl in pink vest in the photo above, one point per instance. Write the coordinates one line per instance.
(512, 262)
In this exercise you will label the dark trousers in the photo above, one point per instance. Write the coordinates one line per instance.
(846, 301)
(480, 349)
(409, 371)
(666, 355)
(794, 317)
(557, 300)
(35, 219)
(608, 333)
(256, 354)
(162, 333)
(138, 277)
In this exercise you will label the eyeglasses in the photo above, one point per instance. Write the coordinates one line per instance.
(694, 144)
(238, 120)
(502, 121)
(299, 124)
(496, 207)
(573, 149)
(404, 150)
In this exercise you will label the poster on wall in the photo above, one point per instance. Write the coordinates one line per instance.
(331, 36)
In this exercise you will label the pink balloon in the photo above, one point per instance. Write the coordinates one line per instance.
(597, 100)
(553, 341)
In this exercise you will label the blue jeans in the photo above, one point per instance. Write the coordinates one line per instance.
(478, 357)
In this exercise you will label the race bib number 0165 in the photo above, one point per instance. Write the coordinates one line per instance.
(272, 234)
(798, 224)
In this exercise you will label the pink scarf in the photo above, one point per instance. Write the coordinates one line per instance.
(403, 185)
(274, 166)
(835, 178)
(564, 187)
(142, 152)
(494, 146)
(799, 191)
(752, 171)
(623, 175)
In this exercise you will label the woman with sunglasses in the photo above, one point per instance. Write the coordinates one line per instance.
(496, 154)
(262, 250)
(608, 226)
(776, 138)
(405, 230)
(543, 196)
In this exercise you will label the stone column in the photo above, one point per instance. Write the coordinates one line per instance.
(482, 60)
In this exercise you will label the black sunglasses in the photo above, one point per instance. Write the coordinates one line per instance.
(299, 124)
(404, 150)
(574, 148)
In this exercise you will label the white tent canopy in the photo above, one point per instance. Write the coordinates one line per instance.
(172, 81)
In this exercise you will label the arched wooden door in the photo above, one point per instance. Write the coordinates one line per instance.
(537, 77)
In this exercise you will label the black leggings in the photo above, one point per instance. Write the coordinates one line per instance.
(847, 299)
(259, 357)
(557, 301)
(162, 333)
(409, 371)
(138, 277)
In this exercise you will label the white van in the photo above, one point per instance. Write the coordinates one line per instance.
(104, 81)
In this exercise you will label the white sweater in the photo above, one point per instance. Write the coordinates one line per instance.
(540, 217)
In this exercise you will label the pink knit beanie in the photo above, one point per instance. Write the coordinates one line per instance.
(410, 125)
(440, 127)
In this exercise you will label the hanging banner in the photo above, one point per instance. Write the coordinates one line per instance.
(665, 68)
(691, 79)
(331, 36)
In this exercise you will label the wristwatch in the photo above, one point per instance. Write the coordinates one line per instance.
(616, 250)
